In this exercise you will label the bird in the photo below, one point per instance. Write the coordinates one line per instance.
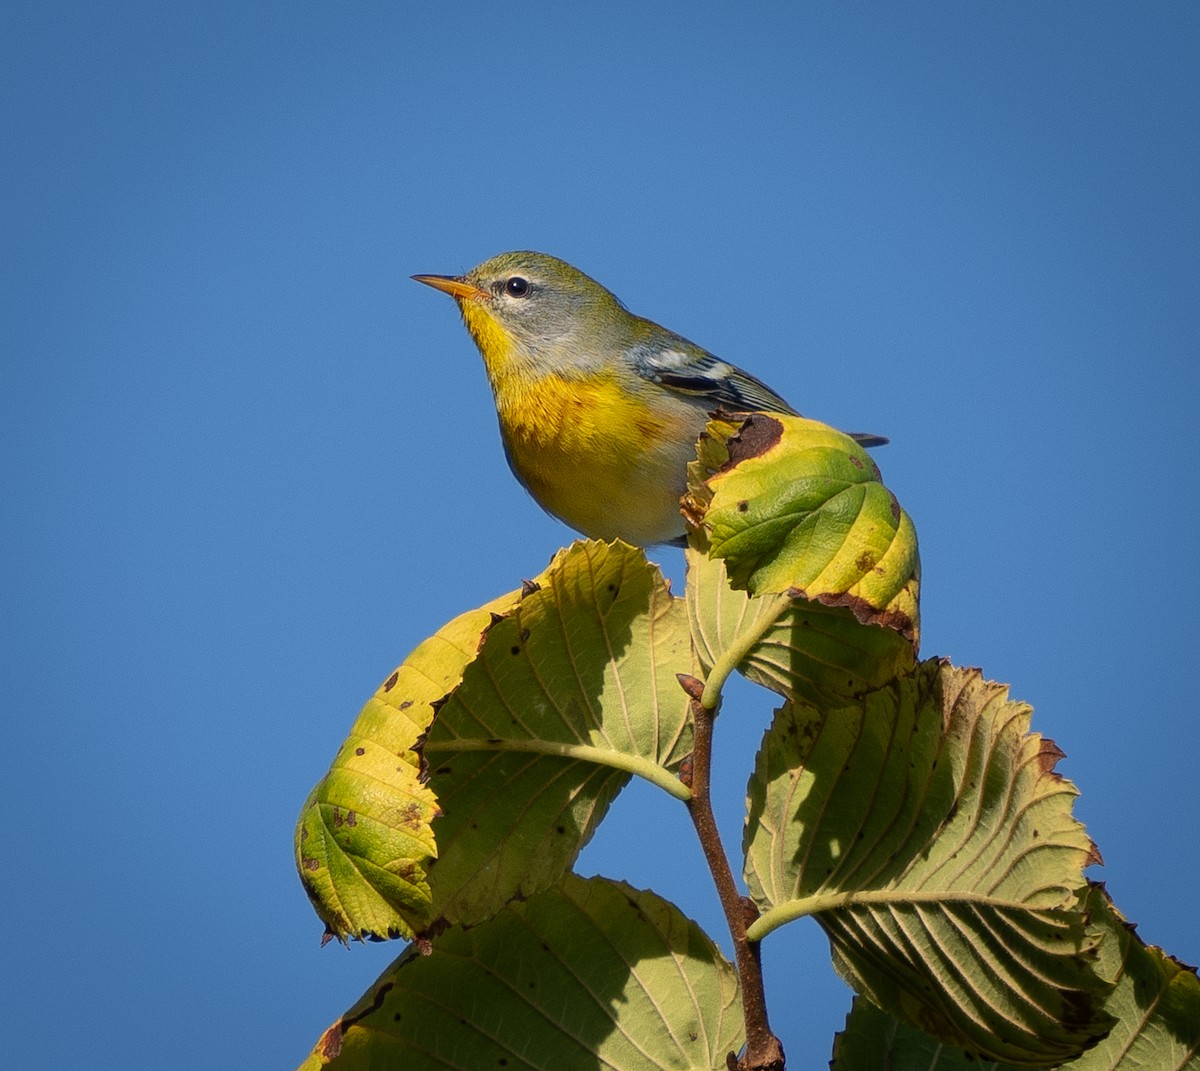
(599, 409)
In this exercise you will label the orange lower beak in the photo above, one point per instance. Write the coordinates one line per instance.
(454, 286)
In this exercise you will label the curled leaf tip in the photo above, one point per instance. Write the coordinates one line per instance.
(792, 505)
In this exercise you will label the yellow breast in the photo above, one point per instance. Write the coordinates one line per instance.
(606, 453)
(608, 463)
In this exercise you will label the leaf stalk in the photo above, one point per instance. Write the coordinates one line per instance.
(735, 654)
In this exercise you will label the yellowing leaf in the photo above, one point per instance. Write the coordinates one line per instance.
(364, 838)
(547, 700)
(571, 693)
(794, 506)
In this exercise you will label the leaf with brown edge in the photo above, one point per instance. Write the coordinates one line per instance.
(364, 838)
(796, 507)
(572, 693)
(800, 649)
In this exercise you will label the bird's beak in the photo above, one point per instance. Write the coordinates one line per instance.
(456, 287)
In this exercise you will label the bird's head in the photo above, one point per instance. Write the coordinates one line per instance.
(536, 309)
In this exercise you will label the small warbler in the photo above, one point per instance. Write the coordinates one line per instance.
(599, 409)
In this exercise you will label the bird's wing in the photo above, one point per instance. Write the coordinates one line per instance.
(705, 377)
(718, 384)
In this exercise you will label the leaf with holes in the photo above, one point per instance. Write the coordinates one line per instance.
(364, 836)
(795, 647)
(927, 832)
(572, 692)
(796, 507)
(587, 973)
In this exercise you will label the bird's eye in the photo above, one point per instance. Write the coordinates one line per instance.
(516, 287)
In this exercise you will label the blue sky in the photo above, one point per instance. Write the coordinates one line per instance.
(248, 465)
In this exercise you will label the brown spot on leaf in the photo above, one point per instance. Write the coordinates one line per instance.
(310, 863)
(351, 818)
(743, 506)
(390, 683)
(895, 504)
(406, 704)
(1048, 755)
(360, 751)
(758, 434)
(528, 587)
(331, 1041)
(855, 461)
(865, 562)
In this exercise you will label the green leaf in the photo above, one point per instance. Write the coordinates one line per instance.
(571, 693)
(795, 647)
(1156, 1004)
(873, 1039)
(364, 837)
(928, 833)
(796, 507)
(547, 700)
(587, 973)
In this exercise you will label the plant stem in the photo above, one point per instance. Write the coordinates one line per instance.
(772, 609)
(763, 1049)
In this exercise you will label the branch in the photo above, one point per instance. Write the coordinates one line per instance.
(763, 1050)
